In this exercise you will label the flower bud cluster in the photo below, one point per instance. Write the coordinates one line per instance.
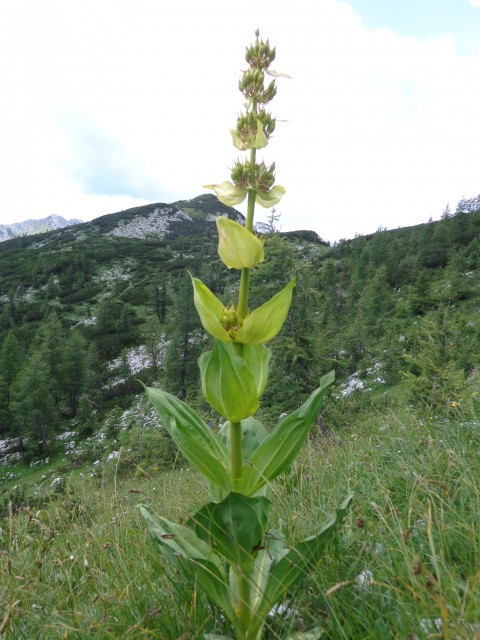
(264, 177)
(260, 54)
(230, 320)
(246, 133)
(252, 84)
(252, 132)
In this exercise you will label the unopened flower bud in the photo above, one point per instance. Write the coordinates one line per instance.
(241, 174)
(269, 94)
(265, 177)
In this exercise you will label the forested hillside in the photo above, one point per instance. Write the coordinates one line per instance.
(88, 311)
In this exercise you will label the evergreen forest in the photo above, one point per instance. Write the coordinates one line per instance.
(91, 311)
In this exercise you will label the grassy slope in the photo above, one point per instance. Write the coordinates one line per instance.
(406, 565)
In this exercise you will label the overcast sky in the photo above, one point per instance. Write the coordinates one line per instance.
(108, 104)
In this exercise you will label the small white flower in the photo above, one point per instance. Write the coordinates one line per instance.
(428, 625)
(280, 609)
(364, 579)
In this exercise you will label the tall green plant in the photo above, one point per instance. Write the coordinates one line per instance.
(225, 548)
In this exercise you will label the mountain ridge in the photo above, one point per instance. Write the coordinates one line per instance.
(32, 227)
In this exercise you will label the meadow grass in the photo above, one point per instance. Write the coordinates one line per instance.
(406, 563)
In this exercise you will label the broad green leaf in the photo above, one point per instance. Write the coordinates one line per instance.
(227, 384)
(275, 547)
(209, 308)
(233, 527)
(476, 407)
(228, 193)
(192, 557)
(265, 322)
(238, 247)
(199, 444)
(270, 198)
(256, 358)
(295, 564)
(281, 447)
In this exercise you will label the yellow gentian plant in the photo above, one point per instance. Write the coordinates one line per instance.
(226, 547)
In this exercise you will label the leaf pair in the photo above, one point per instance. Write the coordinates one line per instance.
(259, 326)
(232, 384)
(266, 455)
(231, 532)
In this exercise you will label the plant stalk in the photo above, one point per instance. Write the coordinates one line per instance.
(245, 274)
(236, 453)
(244, 611)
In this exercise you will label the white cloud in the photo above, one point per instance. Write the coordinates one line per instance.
(381, 130)
(475, 3)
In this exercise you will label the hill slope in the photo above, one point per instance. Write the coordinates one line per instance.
(99, 305)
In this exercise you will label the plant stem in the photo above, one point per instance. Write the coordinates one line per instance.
(236, 453)
(244, 595)
(245, 275)
(236, 447)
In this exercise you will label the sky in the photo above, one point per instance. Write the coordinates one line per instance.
(110, 104)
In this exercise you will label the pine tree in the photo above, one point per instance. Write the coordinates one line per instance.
(33, 406)
(185, 340)
(50, 342)
(74, 369)
(10, 364)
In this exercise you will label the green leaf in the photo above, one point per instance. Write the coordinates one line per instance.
(227, 384)
(238, 247)
(209, 308)
(233, 527)
(280, 448)
(295, 564)
(264, 323)
(275, 547)
(199, 444)
(256, 358)
(190, 555)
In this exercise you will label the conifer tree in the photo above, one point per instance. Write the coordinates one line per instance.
(33, 407)
(74, 369)
(10, 364)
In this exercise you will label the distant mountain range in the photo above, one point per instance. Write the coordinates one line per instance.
(31, 227)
